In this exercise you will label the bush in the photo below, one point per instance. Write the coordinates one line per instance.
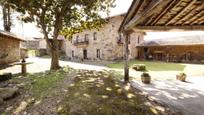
(181, 77)
(139, 67)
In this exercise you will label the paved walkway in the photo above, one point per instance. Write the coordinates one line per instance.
(186, 96)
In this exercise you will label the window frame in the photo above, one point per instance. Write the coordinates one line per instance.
(98, 53)
(95, 36)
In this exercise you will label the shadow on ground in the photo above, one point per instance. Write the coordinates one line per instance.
(187, 96)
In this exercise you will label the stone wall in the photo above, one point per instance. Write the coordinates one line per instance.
(9, 50)
(30, 44)
(105, 42)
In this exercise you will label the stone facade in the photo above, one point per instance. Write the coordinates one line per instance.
(9, 50)
(102, 44)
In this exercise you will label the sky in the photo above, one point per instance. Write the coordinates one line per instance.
(122, 6)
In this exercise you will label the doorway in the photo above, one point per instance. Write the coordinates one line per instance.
(85, 54)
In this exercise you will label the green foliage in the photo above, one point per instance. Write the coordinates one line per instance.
(139, 67)
(63, 16)
(145, 74)
(43, 83)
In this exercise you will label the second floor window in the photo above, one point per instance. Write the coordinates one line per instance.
(95, 36)
(86, 37)
(77, 38)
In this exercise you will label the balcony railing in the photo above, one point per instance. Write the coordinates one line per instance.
(84, 41)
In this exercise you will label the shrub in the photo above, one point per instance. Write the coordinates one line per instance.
(145, 74)
(181, 77)
(139, 67)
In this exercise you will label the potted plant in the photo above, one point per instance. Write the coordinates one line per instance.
(146, 78)
(181, 77)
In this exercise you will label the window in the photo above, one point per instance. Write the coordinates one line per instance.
(98, 53)
(95, 36)
(77, 38)
(72, 53)
(86, 37)
(138, 39)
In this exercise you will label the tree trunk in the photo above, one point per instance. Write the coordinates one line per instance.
(126, 66)
(6, 17)
(55, 59)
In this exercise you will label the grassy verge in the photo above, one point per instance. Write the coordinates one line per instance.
(42, 84)
(100, 93)
(151, 65)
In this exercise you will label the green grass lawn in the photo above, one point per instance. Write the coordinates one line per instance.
(151, 65)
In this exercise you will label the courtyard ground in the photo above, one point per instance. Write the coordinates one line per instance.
(69, 92)
(186, 97)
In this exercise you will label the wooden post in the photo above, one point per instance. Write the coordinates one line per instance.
(23, 68)
(126, 62)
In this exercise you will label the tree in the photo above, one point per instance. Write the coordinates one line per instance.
(6, 10)
(67, 17)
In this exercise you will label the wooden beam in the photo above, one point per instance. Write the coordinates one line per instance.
(134, 8)
(149, 21)
(145, 13)
(181, 12)
(168, 28)
(169, 7)
(185, 17)
(126, 56)
(202, 20)
(193, 18)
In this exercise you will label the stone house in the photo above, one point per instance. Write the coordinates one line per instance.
(102, 44)
(9, 48)
(188, 49)
(39, 45)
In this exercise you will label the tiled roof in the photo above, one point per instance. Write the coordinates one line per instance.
(9, 34)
